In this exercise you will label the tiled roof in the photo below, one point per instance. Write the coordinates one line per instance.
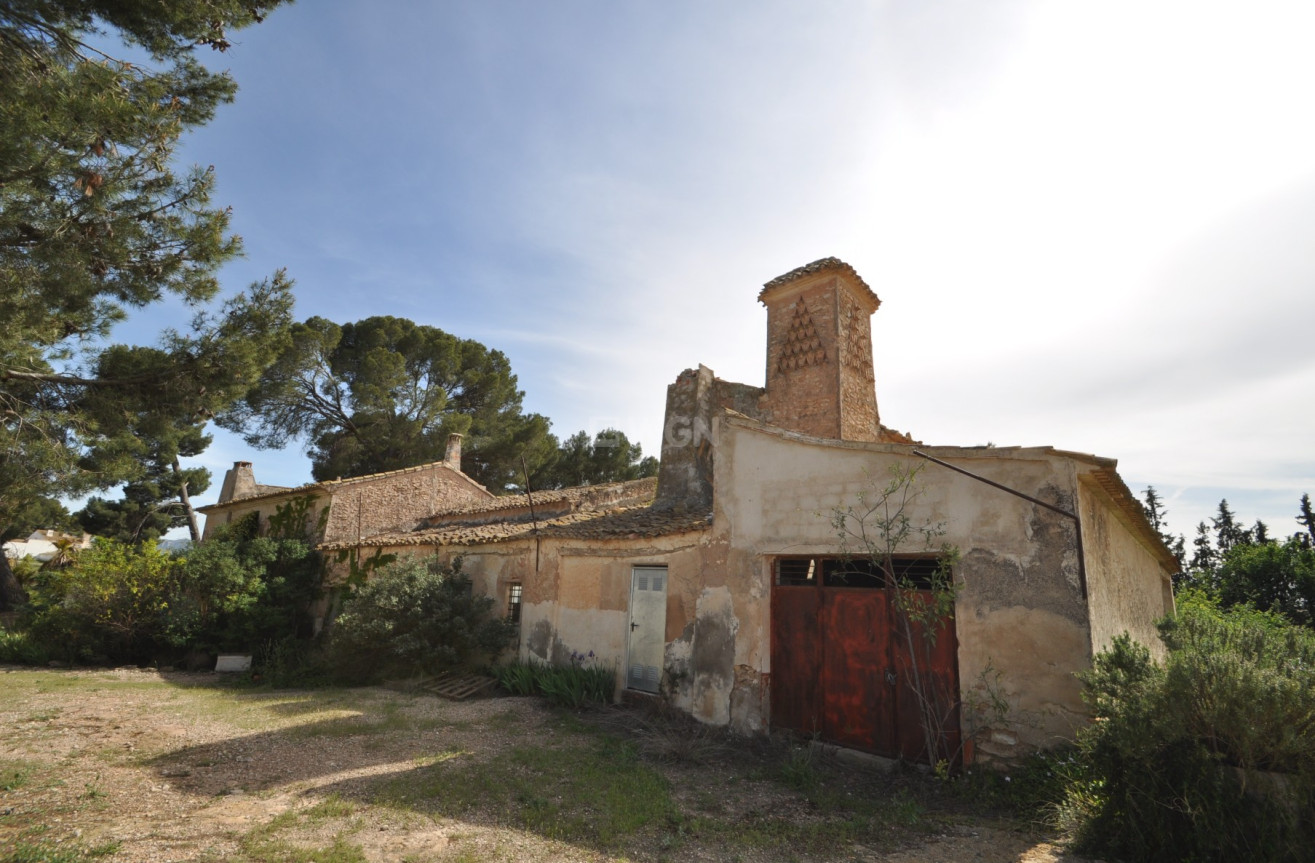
(272, 491)
(1113, 485)
(612, 492)
(634, 523)
(818, 266)
(621, 523)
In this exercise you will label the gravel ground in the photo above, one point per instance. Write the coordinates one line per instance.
(147, 766)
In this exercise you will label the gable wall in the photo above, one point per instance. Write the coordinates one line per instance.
(264, 507)
(1020, 613)
(371, 506)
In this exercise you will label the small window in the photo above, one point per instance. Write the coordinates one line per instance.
(917, 572)
(514, 603)
(796, 572)
(852, 572)
(922, 573)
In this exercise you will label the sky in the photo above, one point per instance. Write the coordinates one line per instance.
(1090, 223)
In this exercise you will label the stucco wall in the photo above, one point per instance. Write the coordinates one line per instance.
(577, 598)
(1020, 618)
(1127, 587)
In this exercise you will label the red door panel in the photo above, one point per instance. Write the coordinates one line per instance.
(858, 707)
(841, 668)
(796, 659)
(937, 669)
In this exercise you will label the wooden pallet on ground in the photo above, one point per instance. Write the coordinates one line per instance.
(458, 687)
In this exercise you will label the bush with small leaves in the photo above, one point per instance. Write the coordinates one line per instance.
(414, 618)
(1209, 755)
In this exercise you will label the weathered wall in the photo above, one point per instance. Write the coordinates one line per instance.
(372, 505)
(1128, 589)
(1020, 613)
(265, 506)
(685, 469)
(577, 598)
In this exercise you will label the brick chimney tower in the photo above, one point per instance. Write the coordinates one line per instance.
(819, 352)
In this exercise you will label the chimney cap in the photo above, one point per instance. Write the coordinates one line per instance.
(821, 265)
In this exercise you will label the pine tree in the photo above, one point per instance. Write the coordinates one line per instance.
(94, 223)
(1306, 518)
(1228, 532)
(1155, 514)
(385, 393)
(1204, 556)
(1154, 509)
(1260, 533)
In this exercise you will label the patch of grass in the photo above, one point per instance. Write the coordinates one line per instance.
(268, 851)
(14, 774)
(439, 757)
(798, 770)
(573, 685)
(36, 847)
(595, 791)
(1030, 791)
(332, 806)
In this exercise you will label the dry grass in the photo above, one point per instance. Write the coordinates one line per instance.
(139, 766)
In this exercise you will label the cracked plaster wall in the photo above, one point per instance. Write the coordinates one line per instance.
(1020, 611)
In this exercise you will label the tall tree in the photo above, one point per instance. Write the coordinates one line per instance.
(94, 223)
(1228, 532)
(385, 393)
(608, 457)
(1204, 555)
(159, 499)
(1155, 514)
(1306, 518)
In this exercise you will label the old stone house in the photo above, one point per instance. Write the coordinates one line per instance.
(345, 510)
(726, 589)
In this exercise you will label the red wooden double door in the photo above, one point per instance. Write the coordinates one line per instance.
(843, 669)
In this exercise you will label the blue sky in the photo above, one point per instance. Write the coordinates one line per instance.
(1089, 223)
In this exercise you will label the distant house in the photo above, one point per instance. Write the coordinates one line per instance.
(43, 544)
(725, 590)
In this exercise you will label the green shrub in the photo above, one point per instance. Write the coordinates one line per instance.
(241, 590)
(574, 684)
(116, 603)
(289, 663)
(136, 603)
(21, 649)
(517, 678)
(414, 618)
(1181, 757)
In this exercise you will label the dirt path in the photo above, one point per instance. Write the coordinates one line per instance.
(138, 766)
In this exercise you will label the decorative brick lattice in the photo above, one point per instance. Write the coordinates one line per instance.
(802, 346)
(858, 339)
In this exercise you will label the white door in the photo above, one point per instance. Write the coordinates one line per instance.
(648, 627)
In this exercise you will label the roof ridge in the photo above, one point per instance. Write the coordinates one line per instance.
(821, 265)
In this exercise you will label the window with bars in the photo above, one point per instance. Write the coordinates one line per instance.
(514, 602)
(920, 571)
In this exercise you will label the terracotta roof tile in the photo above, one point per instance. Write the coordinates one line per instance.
(818, 266)
(619, 523)
(272, 491)
(585, 495)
